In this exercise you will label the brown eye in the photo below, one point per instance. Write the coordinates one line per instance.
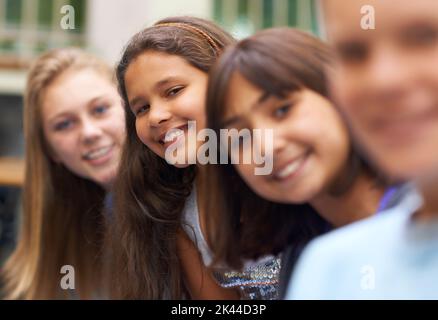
(143, 109)
(282, 111)
(100, 109)
(420, 36)
(63, 125)
(353, 52)
(174, 91)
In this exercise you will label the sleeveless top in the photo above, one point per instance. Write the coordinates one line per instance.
(257, 280)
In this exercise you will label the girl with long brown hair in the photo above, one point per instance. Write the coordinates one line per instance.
(276, 80)
(73, 127)
(158, 234)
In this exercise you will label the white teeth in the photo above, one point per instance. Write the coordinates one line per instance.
(172, 135)
(291, 168)
(97, 153)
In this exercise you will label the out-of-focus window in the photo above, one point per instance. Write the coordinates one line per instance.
(244, 17)
(29, 27)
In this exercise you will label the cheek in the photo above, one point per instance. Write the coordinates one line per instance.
(143, 132)
(246, 172)
(192, 107)
(256, 182)
(144, 135)
(62, 147)
(344, 91)
(117, 124)
(338, 139)
(118, 131)
(331, 141)
(433, 85)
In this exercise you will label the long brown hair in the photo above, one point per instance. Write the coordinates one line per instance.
(277, 61)
(62, 221)
(150, 194)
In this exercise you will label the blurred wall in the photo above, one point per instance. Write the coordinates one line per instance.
(11, 126)
(110, 23)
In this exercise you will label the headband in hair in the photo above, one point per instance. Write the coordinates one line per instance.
(191, 28)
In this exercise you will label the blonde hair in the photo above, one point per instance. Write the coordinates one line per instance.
(150, 194)
(62, 222)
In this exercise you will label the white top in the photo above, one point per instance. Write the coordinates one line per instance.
(257, 280)
(389, 256)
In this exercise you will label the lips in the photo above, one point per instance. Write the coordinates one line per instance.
(98, 155)
(402, 115)
(291, 169)
(398, 129)
(172, 135)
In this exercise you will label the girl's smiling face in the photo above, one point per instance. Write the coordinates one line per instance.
(165, 92)
(83, 123)
(386, 80)
(311, 145)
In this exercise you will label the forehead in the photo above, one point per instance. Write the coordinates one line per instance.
(75, 88)
(152, 70)
(343, 18)
(77, 79)
(241, 94)
(157, 64)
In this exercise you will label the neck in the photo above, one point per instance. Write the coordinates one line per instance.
(360, 201)
(429, 192)
(107, 186)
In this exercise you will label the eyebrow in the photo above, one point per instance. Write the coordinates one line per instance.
(164, 82)
(64, 113)
(263, 97)
(157, 87)
(53, 120)
(95, 99)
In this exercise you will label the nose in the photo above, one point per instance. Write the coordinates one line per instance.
(158, 114)
(388, 74)
(91, 131)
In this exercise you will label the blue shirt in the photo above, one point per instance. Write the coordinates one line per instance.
(389, 256)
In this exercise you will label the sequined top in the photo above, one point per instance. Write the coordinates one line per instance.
(258, 280)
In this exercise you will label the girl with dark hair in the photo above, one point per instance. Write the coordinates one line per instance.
(159, 248)
(276, 80)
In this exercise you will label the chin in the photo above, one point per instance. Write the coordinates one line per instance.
(408, 171)
(270, 196)
(298, 197)
(181, 166)
(106, 180)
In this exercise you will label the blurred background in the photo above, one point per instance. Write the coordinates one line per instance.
(30, 27)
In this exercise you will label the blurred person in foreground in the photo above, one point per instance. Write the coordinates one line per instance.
(386, 84)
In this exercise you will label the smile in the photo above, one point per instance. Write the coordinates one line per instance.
(97, 153)
(291, 169)
(172, 135)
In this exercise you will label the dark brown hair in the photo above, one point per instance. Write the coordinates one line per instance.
(277, 61)
(149, 193)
